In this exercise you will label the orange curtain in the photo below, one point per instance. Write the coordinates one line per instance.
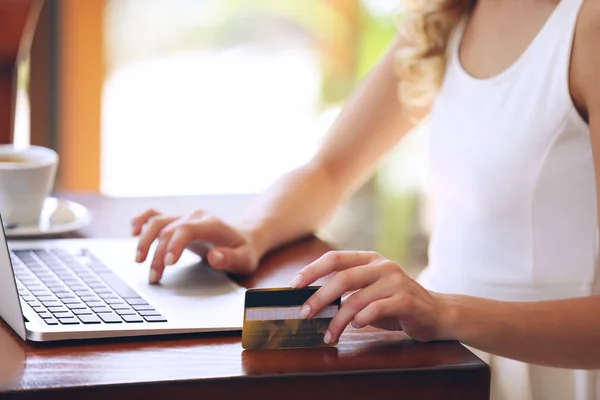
(81, 76)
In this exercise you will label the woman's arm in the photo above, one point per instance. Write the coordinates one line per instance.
(561, 333)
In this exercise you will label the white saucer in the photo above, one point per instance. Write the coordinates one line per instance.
(58, 216)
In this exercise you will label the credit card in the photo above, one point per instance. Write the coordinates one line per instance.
(272, 319)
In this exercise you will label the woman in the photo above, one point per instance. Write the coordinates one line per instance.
(513, 92)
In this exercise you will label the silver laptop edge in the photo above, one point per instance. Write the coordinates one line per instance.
(10, 305)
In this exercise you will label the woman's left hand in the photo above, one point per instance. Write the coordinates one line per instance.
(383, 296)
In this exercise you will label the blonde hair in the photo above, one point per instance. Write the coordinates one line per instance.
(425, 27)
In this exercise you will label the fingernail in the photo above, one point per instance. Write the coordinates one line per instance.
(354, 325)
(138, 257)
(153, 276)
(169, 259)
(217, 257)
(305, 311)
(327, 338)
(296, 281)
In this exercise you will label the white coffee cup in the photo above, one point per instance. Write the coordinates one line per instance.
(26, 179)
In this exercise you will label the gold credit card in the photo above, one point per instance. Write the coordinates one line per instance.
(272, 319)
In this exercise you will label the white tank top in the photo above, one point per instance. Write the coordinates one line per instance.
(512, 177)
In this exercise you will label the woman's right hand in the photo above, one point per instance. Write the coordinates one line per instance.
(223, 246)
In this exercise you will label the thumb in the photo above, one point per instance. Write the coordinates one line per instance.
(237, 260)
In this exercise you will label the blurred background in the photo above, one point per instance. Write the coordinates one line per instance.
(189, 97)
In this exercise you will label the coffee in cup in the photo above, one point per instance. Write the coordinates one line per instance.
(12, 159)
(26, 179)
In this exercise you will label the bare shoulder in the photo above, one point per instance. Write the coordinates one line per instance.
(585, 68)
(588, 26)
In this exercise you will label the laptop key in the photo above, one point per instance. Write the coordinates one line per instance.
(45, 315)
(128, 311)
(51, 321)
(58, 288)
(41, 292)
(149, 313)
(84, 311)
(64, 295)
(136, 301)
(120, 306)
(70, 300)
(99, 310)
(61, 315)
(47, 298)
(144, 307)
(39, 309)
(69, 321)
(155, 318)
(132, 318)
(113, 300)
(89, 298)
(108, 294)
(89, 319)
(76, 306)
(110, 318)
(95, 303)
(58, 309)
(53, 303)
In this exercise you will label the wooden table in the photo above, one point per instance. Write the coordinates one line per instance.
(365, 364)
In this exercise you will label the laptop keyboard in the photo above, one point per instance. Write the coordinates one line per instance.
(62, 289)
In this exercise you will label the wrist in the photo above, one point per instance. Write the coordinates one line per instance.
(450, 310)
(257, 239)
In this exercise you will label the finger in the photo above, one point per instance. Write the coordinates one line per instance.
(158, 261)
(330, 262)
(180, 238)
(149, 234)
(236, 260)
(353, 304)
(138, 221)
(377, 311)
(345, 281)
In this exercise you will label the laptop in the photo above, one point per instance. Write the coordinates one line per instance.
(67, 289)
